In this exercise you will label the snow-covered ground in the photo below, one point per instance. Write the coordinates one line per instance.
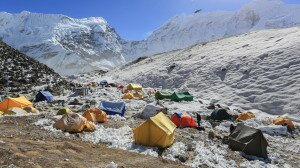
(258, 70)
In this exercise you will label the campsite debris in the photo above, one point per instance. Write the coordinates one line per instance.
(190, 147)
(30, 110)
(182, 158)
(75, 102)
(211, 135)
(211, 106)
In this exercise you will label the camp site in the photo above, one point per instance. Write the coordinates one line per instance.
(150, 84)
(169, 124)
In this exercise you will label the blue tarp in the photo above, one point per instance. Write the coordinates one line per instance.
(44, 96)
(113, 108)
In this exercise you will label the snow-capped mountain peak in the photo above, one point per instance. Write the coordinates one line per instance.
(65, 44)
(71, 46)
(186, 30)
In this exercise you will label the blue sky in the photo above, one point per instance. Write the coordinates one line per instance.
(132, 19)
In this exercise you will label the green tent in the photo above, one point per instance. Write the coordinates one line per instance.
(159, 95)
(248, 140)
(63, 111)
(177, 96)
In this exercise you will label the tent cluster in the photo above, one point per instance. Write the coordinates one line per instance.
(21, 105)
(244, 138)
(133, 91)
(75, 123)
(175, 96)
(158, 129)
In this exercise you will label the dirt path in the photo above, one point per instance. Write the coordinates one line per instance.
(25, 145)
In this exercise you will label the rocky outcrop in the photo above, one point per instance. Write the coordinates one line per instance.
(20, 73)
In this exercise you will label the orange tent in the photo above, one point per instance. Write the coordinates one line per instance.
(73, 123)
(128, 95)
(138, 95)
(20, 102)
(245, 116)
(283, 120)
(95, 115)
(183, 120)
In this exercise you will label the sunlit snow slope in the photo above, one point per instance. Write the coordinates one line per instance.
(259, 70)
(67, 45)
(186, 30)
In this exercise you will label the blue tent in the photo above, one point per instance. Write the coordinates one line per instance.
(113, 108)
(104, 83)
(44, 96)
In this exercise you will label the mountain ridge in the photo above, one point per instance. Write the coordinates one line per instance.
(71, 46)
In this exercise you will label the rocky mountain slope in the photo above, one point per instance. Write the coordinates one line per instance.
(186, 30)
(21, 73)
(259, 70)
(67, 45)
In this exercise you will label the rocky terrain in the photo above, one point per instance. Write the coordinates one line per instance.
(21, 74)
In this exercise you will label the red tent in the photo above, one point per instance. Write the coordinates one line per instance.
(183, 120)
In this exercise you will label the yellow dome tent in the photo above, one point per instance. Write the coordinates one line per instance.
(20, 102)
(245, 116)
(128, 95)
(134, 86)
(138, 95)
(157, 131)
(95, 115)
(283, 120)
